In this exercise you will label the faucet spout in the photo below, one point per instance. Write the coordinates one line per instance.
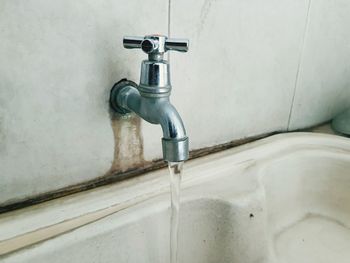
(125, 97)
(174, 141)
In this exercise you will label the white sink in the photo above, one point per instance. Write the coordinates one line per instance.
(308, 206)
(282, 199)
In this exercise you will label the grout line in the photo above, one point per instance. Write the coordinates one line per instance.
(169, 25)
(307, 22)
(169, 15)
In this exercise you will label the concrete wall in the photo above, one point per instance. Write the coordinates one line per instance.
(253, 67)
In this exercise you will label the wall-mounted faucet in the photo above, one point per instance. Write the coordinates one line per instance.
(150, 99)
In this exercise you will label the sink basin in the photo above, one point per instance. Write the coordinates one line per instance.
(308, 206)
(280, 199)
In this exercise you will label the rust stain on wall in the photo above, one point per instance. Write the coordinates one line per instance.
(128, 143)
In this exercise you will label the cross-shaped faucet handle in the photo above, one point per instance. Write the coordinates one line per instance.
(156, 44)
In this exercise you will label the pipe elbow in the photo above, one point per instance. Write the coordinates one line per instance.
(171, 122)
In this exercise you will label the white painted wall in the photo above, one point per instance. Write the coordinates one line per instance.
(249, 62)
(323, 87)
(59, 60)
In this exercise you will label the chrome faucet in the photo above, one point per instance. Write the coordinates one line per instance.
(150, 99)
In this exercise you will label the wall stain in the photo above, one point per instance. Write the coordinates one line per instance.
(204, 15)
(7, 94)
(115, 175)
(128, 142)
(2, 131)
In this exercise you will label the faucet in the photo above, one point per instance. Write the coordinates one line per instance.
(150, 99)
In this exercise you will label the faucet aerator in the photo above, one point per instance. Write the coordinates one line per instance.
(175, 150)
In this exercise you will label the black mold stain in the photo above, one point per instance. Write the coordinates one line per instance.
(115, 175)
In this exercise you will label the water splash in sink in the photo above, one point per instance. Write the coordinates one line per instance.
(175, 169)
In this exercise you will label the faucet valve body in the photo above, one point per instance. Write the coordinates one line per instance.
(155, 79)
(150, 99)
